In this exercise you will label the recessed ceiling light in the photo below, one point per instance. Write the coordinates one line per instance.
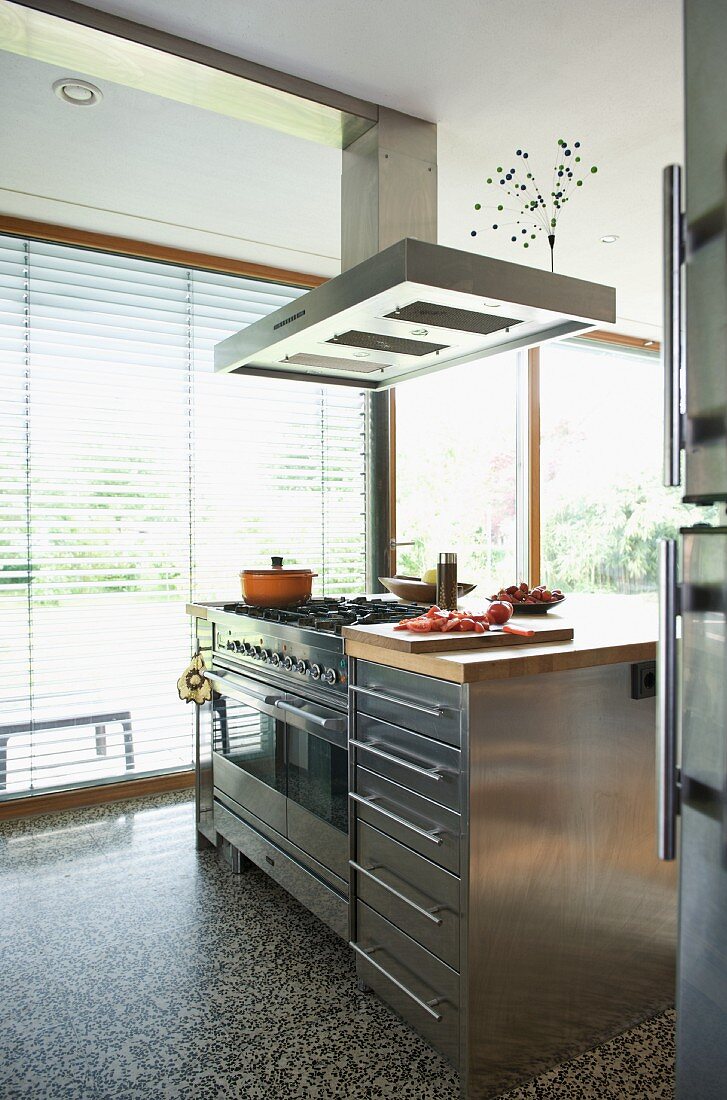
(493, 305)
(420, 332)
(361, 354)
(648, 343)
(610, 238)
(77, 92)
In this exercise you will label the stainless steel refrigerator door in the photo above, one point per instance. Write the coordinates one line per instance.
(702, 960)
(705, 428)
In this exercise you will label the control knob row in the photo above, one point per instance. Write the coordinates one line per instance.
(290, 664)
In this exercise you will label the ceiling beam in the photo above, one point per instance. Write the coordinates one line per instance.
(107, 47)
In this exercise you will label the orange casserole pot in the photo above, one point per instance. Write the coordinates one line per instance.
(276, 587)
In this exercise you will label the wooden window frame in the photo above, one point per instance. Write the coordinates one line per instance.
(103, 242)
(530, 395)
(30, 805)
(598, 337)
(145, 250)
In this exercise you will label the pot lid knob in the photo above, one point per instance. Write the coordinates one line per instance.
(277, 563)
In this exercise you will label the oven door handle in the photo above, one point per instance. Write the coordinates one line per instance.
(226, 686)
(338, 725)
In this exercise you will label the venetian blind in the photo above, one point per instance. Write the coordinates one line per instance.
(133, 478)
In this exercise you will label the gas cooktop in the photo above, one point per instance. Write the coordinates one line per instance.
(329, 615)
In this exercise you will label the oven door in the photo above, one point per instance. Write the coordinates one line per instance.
(317, 773)
(248, 745)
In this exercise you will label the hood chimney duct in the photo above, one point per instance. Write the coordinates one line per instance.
(388, 192)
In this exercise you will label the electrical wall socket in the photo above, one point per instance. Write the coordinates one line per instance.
(643, 680)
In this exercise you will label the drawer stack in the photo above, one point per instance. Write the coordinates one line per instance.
(406, 795)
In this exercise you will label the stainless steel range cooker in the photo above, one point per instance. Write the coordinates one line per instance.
(272, 746)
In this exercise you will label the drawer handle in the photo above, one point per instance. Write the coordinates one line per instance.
(428, 773)
(371, 803)
(435, 712)
(428, 1006)
(430, 914)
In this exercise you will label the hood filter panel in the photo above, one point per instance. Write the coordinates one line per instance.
(376, 341)
(330, 362)
(460, 320)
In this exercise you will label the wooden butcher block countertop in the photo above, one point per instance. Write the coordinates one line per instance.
(608, 630)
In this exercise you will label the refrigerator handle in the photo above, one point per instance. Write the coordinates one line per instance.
(673, 346)
(666, 711)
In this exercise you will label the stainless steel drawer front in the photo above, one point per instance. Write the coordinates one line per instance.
(428, 828)
(309, 890)
(422, 764)
(414, 894)
(419, 987)
(267, 804)
(315, 836)
(419, 703)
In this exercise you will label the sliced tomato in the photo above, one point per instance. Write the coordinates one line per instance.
(466, 624)
(451, 624)
(480, 628)
(420, 626)
(433, 610)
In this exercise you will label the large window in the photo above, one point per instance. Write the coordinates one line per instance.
(131, 479)
(603, 506)
(456, 470)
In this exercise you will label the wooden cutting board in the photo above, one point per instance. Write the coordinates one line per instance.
(404, 641)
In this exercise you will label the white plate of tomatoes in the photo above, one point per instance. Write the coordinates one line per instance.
(530, 601)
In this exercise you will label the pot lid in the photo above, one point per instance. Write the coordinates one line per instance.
(276, 570)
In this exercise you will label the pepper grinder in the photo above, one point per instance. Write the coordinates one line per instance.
(447, 582)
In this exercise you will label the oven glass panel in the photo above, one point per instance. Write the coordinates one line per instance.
(252, 741)
(318, 777)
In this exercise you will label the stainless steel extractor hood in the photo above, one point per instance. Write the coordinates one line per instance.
(412, 309)
(405, 306)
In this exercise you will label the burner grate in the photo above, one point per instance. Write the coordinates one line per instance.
(329, 615)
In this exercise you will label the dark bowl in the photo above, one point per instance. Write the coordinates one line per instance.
(534, 608)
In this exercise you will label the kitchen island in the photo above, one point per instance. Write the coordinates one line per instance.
(505, 894)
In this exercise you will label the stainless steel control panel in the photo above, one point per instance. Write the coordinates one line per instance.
(303, 659)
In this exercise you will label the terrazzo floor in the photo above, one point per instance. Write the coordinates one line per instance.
(135, 968)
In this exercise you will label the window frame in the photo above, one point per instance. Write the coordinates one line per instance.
(28, 229)
(528, 413)
(534, 489)
(528, 487)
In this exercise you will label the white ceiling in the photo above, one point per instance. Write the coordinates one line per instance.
(495, 76)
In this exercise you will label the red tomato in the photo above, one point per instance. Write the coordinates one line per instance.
(480, 628)
(420, 626)
(451, 624)
(466, 624)
(433, 610)
(499, 612)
